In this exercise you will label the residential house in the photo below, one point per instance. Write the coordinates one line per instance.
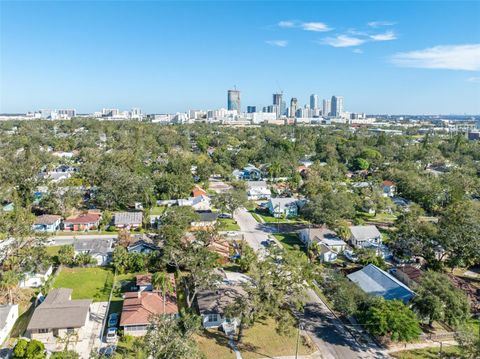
(59, 315)
(408, 275)
(99, 248)
(142, 245)
(8, 317)
(128, 220)
(199, 203)
(280, 207)
(372, 280)
(206, 220)
(389, 188)
(365, 236)
(82, 222)
(139, 306)
(36, 278)
(322, 235)
(249, 173)
(144, 282)
(47, 223)
(212, 304)
(326, 254)
(198, 191)
(258, 190)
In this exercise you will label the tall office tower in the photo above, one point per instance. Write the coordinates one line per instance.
(293, 107)
(277, 103)
(313, 101)
(251, 109)
(233, 101)
(327, 108)
(337, 105)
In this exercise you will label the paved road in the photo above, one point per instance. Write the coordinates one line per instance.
(331, 337)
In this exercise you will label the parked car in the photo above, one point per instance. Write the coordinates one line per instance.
(108, 351)
(232, 234)
(112, 320)
(269, 243)
(224, 215)
(111, 335)
(350, 256)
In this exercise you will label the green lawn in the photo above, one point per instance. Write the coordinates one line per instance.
(228, 224)
(157, 210)
(290, 241)
(257, 217)
(426, 353)
(87, 283)
(271, 219)
(260, 341)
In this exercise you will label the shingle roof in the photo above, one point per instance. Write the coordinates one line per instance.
(93, 246)
(207, 216)
(47, 219)
(57, 311)
(83, 218)
(143, 279)
(4, 313)
(128, 218)
(364, 233)
(256, 184)
(217, 300)
(377, 282)
(281, 203)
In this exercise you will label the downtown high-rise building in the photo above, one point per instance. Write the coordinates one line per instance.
(233, 101)
(326, 108)
(337, 106)
(313, 101)
(251, 109)
(293, 107)
(278, 104)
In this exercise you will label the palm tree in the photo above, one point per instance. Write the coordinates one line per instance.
(8, 283)
(161, 282)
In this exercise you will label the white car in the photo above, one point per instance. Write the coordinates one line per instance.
(232, 234)
(111, 335)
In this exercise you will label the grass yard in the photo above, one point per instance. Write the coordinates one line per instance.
(270, 219)
(290, 241)
(87, 283)
(426, 353)
(260, 341)
(157, 210)
(379, 217)
(257, 217)
(228, 224)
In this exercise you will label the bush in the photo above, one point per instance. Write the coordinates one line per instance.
(32, 349)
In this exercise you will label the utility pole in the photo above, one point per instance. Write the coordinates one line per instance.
(300, 327)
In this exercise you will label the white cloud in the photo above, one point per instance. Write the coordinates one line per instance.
(450, 57)
(386, 36)
(286, 24)
(278, 43)
(315, 26)
(475, 80)
(342, 41)
(357, 51)
(376, 24)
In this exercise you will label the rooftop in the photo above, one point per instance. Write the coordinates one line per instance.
(138, 307)
(128, 218)
(218, 299)
(95, 245)
(83, 218)
(374, 281)
(364, 233)
(58, 311)
(47, 219)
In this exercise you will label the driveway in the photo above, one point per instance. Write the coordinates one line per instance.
(328, 333)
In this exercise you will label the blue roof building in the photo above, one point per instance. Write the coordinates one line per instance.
(374, 281)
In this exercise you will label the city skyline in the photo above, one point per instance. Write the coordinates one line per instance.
(392, 58)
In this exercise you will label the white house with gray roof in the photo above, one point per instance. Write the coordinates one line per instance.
(99, 248)
(365, 236)
(258, 190)
(287, 207)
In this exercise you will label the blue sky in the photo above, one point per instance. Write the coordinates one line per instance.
(383, 57)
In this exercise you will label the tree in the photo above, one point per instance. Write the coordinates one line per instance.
(120, 259)
(329, 207)
(66, 255)
(165, 339)
(468, 341)
(360, 164)
(162, 282)
(391, 318)
(369, 256)
(438, 299)
(32, 349)
(247, 257)
(459, 233)
(9, 283)
(230, 201)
